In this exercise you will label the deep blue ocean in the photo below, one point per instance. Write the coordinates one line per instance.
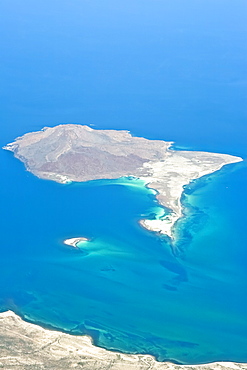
(170, 70)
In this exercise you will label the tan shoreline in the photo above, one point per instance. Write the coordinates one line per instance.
(29, 346)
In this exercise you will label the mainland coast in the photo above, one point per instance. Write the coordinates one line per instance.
(67, 153)
(26, 346)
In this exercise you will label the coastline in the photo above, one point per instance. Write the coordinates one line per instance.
(26, 345)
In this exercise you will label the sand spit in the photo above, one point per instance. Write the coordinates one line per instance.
(72, 152)
(170, 176)
(29, 346)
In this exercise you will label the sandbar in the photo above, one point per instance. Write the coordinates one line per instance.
(73, 242)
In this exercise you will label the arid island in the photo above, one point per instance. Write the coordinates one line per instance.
(71, 152)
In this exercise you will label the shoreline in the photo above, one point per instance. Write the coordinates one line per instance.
(37, 346)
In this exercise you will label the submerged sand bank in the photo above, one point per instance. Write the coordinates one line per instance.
(28, 346)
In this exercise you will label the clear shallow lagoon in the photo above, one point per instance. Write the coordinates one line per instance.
(172, 72)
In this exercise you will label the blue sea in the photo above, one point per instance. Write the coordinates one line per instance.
(170, 70)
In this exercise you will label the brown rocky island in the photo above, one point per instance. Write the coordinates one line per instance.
(72, 152)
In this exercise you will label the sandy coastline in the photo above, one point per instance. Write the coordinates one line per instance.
(29, 346)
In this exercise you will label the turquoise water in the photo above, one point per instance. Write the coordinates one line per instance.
(125, 287)
(161, 70)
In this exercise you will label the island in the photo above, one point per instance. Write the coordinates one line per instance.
(72, 152)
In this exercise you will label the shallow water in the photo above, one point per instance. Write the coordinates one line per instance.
(171, 72)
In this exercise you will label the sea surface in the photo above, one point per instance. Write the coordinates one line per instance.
(170, 70)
